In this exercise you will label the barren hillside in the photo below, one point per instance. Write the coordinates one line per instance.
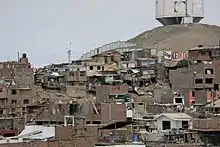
(179, 37)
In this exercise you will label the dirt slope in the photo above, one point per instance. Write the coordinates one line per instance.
(179, 37)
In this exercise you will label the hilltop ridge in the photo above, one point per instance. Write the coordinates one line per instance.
(179, 37)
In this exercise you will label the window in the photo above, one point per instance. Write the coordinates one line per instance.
(106, 59)
(1, 111)
(179, 100)
(185, 124)
(112, 58)
(216, 87)
(69, 121)
(1, 89)
(23, 108)
(88, 122)
(96, 122)
(26, 101)
(13, 92)
(166, 125)
(98, 68)
(209, 71)
(91, 67)
(210, 53)
(193, 93)
(208, 80)
(13, 101)
(198, 81)
(82, 73)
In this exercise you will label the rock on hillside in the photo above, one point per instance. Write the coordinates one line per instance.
(179, 37)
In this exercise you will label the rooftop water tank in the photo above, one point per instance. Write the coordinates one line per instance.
(171, 12)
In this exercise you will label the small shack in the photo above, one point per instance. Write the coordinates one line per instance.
(171, 121)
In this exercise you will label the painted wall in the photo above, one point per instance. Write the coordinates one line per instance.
(178, 55)
(175, 124)
(191, 97)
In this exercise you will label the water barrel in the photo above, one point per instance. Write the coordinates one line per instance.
(135, 137)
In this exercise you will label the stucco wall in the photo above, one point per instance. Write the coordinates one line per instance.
(175, 124)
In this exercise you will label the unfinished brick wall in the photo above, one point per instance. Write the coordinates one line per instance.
(68, 132)
(107, 112)
(103, 92)
(206, 124)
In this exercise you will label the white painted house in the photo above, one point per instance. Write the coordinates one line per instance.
(170, 121)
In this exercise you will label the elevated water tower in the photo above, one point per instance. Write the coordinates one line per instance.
(171, 12)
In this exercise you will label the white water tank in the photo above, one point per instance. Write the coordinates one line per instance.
(170, 12)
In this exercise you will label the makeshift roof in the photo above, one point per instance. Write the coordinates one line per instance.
(176, 116)
(37, 132)
(209, 47)
(116, 125)
(168, 63)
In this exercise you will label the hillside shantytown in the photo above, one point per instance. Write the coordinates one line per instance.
(147, 91)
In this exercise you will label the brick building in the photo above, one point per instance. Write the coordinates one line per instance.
(104, 113)
(76, 83)
(105, 93)
(17, 80)
(198, 81)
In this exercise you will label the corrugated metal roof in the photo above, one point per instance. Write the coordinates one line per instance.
(37, 132)
(176, 116)
(32, 132)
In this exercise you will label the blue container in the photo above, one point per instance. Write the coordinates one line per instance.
(135, 137)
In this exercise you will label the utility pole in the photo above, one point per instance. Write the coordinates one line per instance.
(69, 53)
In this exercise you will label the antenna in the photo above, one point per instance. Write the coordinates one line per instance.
(187, 18)
(69, 53)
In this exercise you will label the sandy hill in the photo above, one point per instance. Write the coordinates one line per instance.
(179, 37)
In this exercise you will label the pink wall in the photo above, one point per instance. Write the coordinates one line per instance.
(191, 97)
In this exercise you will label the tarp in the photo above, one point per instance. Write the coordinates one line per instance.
(37, 132)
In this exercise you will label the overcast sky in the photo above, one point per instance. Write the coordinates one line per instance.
(43, 28)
